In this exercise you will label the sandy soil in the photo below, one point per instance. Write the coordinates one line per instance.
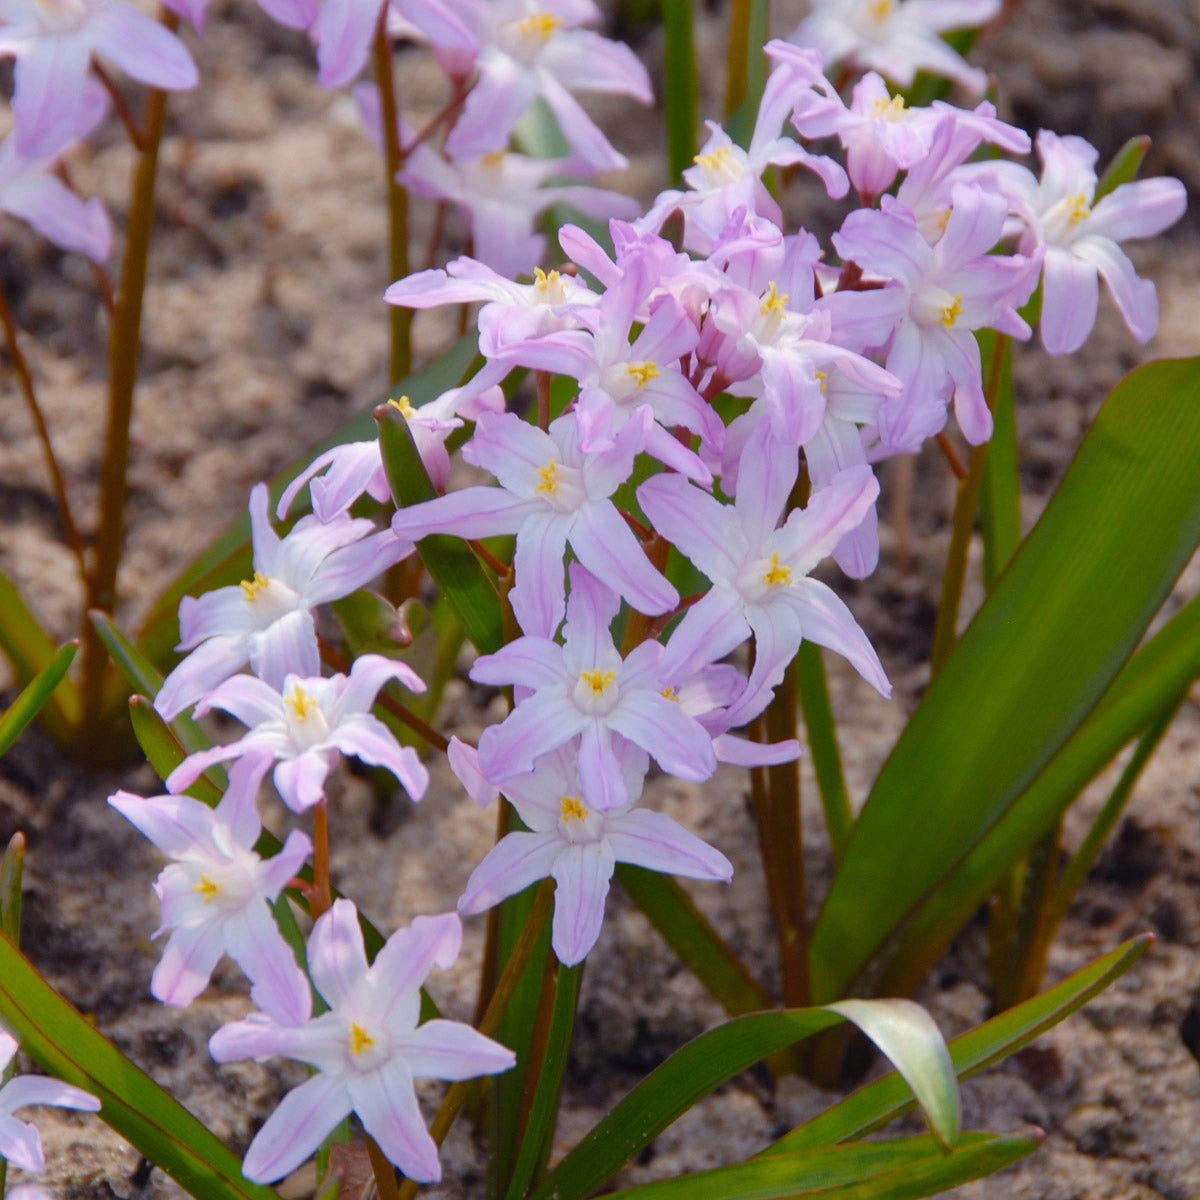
(265, 332)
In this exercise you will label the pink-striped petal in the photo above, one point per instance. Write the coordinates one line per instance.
(653, 840)
(296, 1129)
(582, 874)
(387, 1106)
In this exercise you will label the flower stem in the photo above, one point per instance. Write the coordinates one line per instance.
(321, 900)
(543, 399)
(397, 199)
(124, 342)
(775, 795)
(127, 119)
(25, 380)
(385, 1174)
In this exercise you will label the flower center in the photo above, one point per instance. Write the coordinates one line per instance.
(643, 372)
(1077, 202)
(541, 24)
(404, 404)
(301, 703)
(599, 681)
(252, 587)
(952, 311)
(880, 10)
(573, 809)
(719, 167)
(671, 693)
(360, 1039)
(775, 575)
(892, 110)
(773, 302)
(206, 888)
(549, 478)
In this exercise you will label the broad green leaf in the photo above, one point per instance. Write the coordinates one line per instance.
(898, 1169)
(717, 1055)
(11, 867)
(878, 1103)
(681, 98)
(227, 559)
(1158, 672)
(37, 692)
(63, 1044)
(1062, 620)
(698, 946)
(30, 650)
(455, 569)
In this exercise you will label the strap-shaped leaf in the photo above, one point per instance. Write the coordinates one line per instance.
(880, 1102)
(717, 1055)
(62, 1043)
(454, 568)
(28, 704)
(899, 1169)
(227, 559)
(1062, 620)
(30, 650)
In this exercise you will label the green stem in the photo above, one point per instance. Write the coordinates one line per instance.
(397, 200)
(775, 793)
(822, 743)
(945, 631)
(456, 1093)
(124, 344)
(385, 1174)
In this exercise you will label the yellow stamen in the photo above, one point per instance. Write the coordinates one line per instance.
(714, 161)
(573, 808)
(773, 301)
(775, 575)
(643, 372)
(541, 24)
(495, 158)
(598, 680)
(549, 476)
(253, 586)
(822, 379)
(880, 10)
(1079, 208)
(301, 703)
(404, 404)
(952, 312)
(542, 281)
(670, 693)
(206, 888)
(889, 110)
(360, 1039)
(943, 219)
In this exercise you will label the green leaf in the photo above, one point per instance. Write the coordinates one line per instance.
(746, 66)
(29, 703)
(30, 650)
(698, 946)
(1124, 166)
(546, 1079)
(145, 678)
(717, 1055)
(459, 577)
(681, 95)
(63, 1044)
(1000, 494)
(11, 867)
(898, 1169)
(878, 1103)
(1157, 673)
(1050, 639)
(227, 560)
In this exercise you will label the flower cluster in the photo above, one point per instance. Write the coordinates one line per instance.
(729, 398)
